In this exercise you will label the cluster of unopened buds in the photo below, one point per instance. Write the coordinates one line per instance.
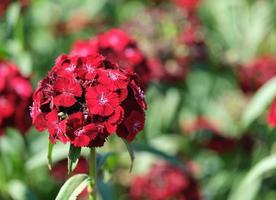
(84, 99)
(15, 98)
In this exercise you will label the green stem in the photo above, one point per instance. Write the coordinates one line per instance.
(92, 174)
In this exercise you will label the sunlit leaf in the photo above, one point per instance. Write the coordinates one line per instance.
(249, 186)
(73, 187)
(22, 191)
(259, 103)
(147, 148)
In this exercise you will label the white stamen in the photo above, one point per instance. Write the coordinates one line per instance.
(71, 68)
(112, 76)
(89, 68)
(102, 99)
(136, 126)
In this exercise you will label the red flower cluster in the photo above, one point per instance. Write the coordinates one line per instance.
(164, 182)
(85, 99)
(15, 98)
(254, 74)
(119, 48)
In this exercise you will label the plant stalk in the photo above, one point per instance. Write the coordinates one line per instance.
(92, 174)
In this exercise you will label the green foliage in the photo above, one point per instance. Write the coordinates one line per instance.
(73, 187)
(259, 103)
(130, 152)
(73, 157)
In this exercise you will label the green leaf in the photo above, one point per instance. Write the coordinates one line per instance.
(101, 159)
(13, 15)
(73, 187)
(130, 152)
(106, 191)
(22, 191)
(154, 151)
(3, 53)
(259, 103)
(250, 185)
(49, 155)
(73, 157)
(38, 159)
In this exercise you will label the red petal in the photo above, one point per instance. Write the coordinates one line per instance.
(64, 100)
(81, 141)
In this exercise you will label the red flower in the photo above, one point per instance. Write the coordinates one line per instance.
(15, 98)
(114, 39)
(84, 48)
(188, 5)
(68, 88)
(164, 182)
(85, 99)
(56, 127)
(271, 117)
(113, 79)
(101, 101)
(254, 74)
(120, 48)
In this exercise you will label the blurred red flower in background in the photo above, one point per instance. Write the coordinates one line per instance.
(59, 169)
(193, 38)
(254, 74)
(15, 98)
(118, 47)
(3, 6)
(212, 138)
(188, 5)
(164, 182)
(85, 99)
(271, 117)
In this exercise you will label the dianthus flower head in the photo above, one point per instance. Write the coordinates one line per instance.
(254, 74)
(85, 99)
(15, 98)
(164, 181)
(118, 47)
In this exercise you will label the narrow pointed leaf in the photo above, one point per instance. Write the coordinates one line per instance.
(250, 185)
(131, 153)
(73, 157)
(259, 103)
